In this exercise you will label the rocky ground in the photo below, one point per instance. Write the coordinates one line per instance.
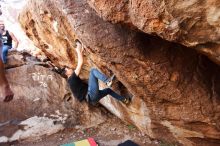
(110, 133)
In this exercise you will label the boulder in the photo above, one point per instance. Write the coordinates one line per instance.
(175, 91)
(43, 104)
(191, 23)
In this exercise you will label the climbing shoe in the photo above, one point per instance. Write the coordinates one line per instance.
(109, 83)
(126, 101)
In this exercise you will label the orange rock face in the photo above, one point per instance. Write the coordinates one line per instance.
(40, 28)
(190, 23)
(175, 91)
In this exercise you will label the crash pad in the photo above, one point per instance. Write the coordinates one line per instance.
(85, 142)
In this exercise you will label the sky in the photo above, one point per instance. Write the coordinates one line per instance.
(10, 12)
(14, 3)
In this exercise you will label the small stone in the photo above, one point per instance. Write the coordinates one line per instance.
(36, 99)
(77, 127)
(139, 134)
(57, 112)
(113, 129)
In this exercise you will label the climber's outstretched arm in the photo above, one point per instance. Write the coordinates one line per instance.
(15, 40)
(3, 80)
(79, 51)
(5, 90)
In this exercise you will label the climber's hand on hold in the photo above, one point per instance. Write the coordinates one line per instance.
(79, 50)
(79, 47)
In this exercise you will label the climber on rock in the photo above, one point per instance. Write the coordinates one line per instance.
(5, 90)
(7, 38)
(90, 92)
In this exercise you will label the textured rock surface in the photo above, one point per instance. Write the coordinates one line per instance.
(11, 10)
(41, 27)
(42, 98)
(175, 90)
(187, 22)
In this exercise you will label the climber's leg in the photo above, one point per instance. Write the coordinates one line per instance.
(5, 90)
(5, 49)
(95, 74)
(105, 92)
(93, 90)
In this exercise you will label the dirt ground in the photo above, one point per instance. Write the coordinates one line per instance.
(110, 133)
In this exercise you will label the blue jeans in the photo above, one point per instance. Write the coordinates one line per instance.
(93, 90)
(4, 52)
